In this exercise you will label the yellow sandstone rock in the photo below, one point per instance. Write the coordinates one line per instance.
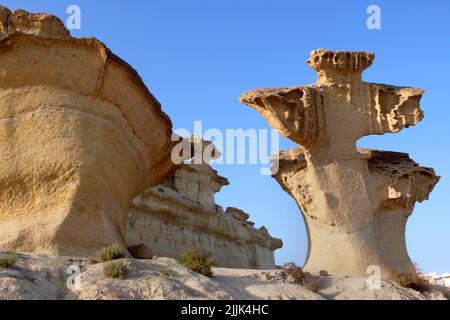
(181, 214)
(355, 202)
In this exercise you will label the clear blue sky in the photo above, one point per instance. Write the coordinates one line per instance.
(198, 56)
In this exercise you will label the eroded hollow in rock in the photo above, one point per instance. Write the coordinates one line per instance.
(355, 202)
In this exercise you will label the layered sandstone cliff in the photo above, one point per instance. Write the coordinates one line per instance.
(181, 214)
(355, 202)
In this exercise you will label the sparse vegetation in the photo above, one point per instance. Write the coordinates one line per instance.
(293, 272)
(200, 262)
(8, 259)
(110, 253)
(115, 269)
(167, 272)
(413, 280)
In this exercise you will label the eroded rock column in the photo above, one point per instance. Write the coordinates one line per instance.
(80, 136)
(355, 202)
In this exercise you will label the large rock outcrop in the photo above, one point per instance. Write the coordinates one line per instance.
(181, 214)
(80, 136)
(355, 202)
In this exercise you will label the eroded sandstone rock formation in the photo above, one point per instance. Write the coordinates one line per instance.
(181, 214)
(80, 136)
(355, 202)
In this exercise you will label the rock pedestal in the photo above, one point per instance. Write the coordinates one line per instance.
(355, 202)
(80, 136)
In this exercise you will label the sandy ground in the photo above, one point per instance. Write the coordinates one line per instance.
(36, 276)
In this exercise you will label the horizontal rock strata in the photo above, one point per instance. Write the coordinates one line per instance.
(181, 215)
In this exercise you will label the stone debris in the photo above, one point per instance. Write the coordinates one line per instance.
(38, 277)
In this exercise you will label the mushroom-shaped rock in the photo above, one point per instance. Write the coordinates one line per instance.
(80, 136)
(355, 202)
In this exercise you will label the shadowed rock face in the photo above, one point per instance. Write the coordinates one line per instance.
(355, 202)
(80, 136)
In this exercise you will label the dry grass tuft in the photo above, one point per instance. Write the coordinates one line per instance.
(200, 262)
(113, 252)
(414, 280)
(115, 269)
(8, 259)
(294, 273)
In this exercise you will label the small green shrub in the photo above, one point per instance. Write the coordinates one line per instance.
(294, 273)
(200, 262)
(8, 259)
(109, 253)
(115, 269)
(167, 272)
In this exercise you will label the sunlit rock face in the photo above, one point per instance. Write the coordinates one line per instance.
(181, 214)
(80, 136)
(355, 202)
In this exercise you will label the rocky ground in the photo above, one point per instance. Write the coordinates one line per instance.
(35, 276)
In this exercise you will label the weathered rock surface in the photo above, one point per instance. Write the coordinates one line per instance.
(38, 24)
(181, 214)
(80, 136)
(355, 202)
(40, 277)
